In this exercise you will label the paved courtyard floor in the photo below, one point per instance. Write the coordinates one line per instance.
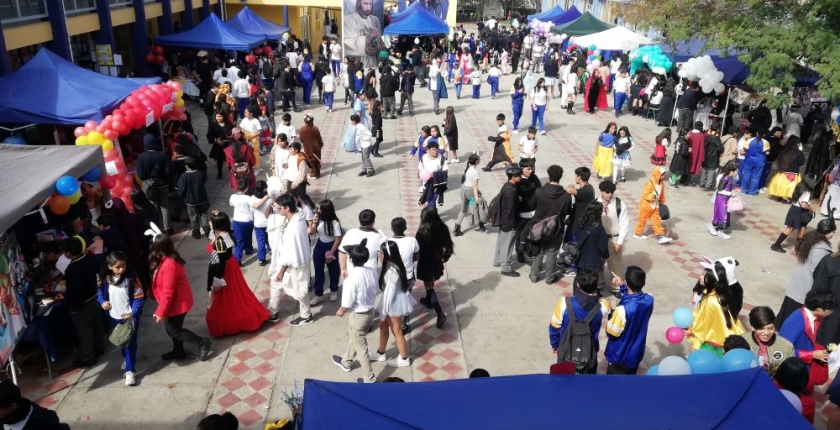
(495, 323)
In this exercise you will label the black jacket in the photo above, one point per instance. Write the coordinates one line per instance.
(713, 149)
(827, 278)
(388, 85)
(39, 419)
(287, 80)
(146, 163)
(552, 200)
(526, 189)
(509, 206)
(81, 277)
(689, 99)
(407, 82)
(192, 187)
(593, 247)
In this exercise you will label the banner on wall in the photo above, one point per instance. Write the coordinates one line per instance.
(362, 27)
(12, 286)
(436, 7)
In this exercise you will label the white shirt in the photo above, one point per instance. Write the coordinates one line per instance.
(491, 23)
(354, 237)
(804, 198)
(233, 73)
(615, 64)
(537, 51)
(359, 290)
(408, 246)
(470, 177)
(539, 98)
(118, 297)
(250, 125)
(363, 136)
(242, 210)
(293, 59)
(217, 74)
(621, 85)
(527, 147)
(476, 77)
(322, 232)
(613, 222)
(242, 89)
(260, 219)
(281, 157)
(335, 52)
(432, 165)
(225, 79)
(289, 130)
(20, 425)
(494, 71)
(329, 83)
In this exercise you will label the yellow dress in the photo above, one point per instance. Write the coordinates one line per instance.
(709, 325)
(782, 186)
(603, 162)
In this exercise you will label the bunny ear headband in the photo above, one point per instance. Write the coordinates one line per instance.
(153, 230)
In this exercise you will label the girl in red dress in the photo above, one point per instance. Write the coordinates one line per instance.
(237, 153)
(663, 140)
(233, 306)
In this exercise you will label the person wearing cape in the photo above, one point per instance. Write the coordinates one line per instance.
(598, 99)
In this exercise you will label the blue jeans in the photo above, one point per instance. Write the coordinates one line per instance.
(517, 112)
(458, 86)
(494, 85)
(752, 176)
(765, 172)
(241, 104)
(537, 115)
(129, 353)
(307, 92)
(336, 67)
(262, 242)
(476, 91)
(328, 99)
(319, 259)
(243, 234)
(618, 101)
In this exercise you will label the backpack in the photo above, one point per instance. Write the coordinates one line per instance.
(544, 230)
(577, 345)
(494, 211)
(618, 207)
(267, 71)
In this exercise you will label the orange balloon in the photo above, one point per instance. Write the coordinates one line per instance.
(59, 205)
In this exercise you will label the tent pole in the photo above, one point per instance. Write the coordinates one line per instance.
(674, 112)
(726, 108)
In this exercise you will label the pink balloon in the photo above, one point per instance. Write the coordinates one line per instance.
(425, 175)
(90, 126)
(112, 155)
(79, 131)
(675, 335)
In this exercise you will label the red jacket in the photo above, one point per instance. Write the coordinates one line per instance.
(697, 142)
(171, 289)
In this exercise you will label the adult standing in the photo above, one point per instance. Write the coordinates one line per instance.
(754, 159)
(242, 91)
(620, 89)
(437, 84)
(814, 247)
(697, 153)
(616, 223)
(154, 165)
(407, 80)
(287, 86)
(450, 131)
(173, 293)
(551, 200)
(289, 270)
(687, 104)
(596, 96)
(218, 135)
(388, 86)
(307, 77)
(508, 210)
(310, 136)
(81, 278)
(436, 248)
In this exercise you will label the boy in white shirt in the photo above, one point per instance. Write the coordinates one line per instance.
(242, 91)
(493, 80)
(328, 82)
(288, 129)
(364, 140)
(242, 221)
(335, 56)
(476, 83)
(528, 147)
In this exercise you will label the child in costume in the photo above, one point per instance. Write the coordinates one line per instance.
(604, 152)
(501, 149)
(653, 196)
(713, 320)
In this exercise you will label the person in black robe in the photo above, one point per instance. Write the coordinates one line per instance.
(665, 115)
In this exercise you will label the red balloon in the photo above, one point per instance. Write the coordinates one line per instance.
(150, 58)
(111, 155)
(90, 126)
(159, 59)
(108, 182)
(158, 50)
(250, 59)
(258, 51)
(100, 128)
(79, 131)
(266, 50)
(111, 133)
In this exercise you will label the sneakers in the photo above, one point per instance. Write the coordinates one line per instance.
(299, 321)
(337, 361)
(712, 230)
(333, 296)
(511, 274)
(365, 381)
(763, 190)
(204, 349)
(273, 318)
(316, 300)
(515, 131)
(376, 356)
(129, 379)
(663, 240)
(778, 248)
(640, 237)
(722, 234)
(542, 131)
(455, 160)
(399, 362)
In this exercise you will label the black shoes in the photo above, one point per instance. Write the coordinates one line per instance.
(486, 169)
(457, 231)
(511, 274)
(778, 248)
(204, 349)
(378, 155)
(441, 320)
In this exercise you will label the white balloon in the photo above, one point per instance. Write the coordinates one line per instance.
(793, 399)
(590, 68)
(834, 114)
(720, 87)
(682, 73)
(416, 40)
(596, 63)
(674, 365)
(563, 36)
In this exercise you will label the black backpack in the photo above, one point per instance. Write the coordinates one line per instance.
(267, 70)
(577, 345)
(494, 211)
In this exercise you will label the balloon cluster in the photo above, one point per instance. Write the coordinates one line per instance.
(540, 28)
(161, 101)
(155, 55)
(704, 69)
(593, 61)
(651, 55)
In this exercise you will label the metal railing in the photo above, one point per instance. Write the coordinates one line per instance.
(22, 10)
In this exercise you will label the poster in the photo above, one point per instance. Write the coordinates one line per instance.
(436, 7)
(12, 285)
(362, 28)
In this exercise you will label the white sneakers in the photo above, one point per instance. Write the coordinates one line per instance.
(663, 240)
(712, 230)
(640, 237)
(721, 234)
(376, 356)
(316, 300)
(333, 296)
(399, 362)
(515, 131)
(129, 379)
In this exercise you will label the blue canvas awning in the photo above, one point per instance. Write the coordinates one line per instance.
(403, 14)
(570, 15)
(420, 22)
(246, 21)
(212, 33)
(722, 401)
(554, 12)
(51, 90)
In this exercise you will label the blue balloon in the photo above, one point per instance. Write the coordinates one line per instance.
(838, 120)
(653, 370)
(14, 140)
(67, 186)
(93, 175)
(683, 317)
(592, 47)
(738, 359)
(704, 361)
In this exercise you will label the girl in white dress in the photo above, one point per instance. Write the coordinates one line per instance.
(396, 302)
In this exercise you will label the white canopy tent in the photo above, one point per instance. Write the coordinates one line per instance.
(615, 39)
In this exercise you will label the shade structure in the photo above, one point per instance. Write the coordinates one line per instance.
(403, 14)
(615, 39)
(246, 21)
(684, 50)
(212, 33)
(734, 400)
(545, 15)
(570, 15)
(586, 24)
(35, 169)
(51, 90)
(421, 21)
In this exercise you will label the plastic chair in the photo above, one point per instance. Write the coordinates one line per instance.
(651, 113)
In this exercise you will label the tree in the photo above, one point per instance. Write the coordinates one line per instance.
(777, 37)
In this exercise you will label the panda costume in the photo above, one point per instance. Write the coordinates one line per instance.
(737, 292)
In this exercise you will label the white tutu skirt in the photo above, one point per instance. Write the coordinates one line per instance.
(395, 302)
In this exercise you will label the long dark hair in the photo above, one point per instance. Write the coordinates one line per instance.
(326, 215)
(716, 281)
(112, 259)
(610, 125)
(144, 207)
(537, 86)
(432, 230)
(626, 132)
(472, 161)
(592, 214)
(392, 259)
(664, 134)
(517, 83)
(789, 152)
(161, 247)
(804, 246)
(801, 188)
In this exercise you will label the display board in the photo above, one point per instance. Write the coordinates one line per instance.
(12, 286)
(362, 28)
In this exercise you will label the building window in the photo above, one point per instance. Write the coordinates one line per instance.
(20, 10)
(79, 5)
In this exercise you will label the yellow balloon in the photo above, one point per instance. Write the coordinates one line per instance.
(95, 137)
(180, 93)
(74, 198)
(179, 102)
(107, 145)
(82, 140)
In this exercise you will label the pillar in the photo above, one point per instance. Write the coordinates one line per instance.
(140, 39)
(165, 20)
(5, 66)
(217, 9)
(285, 16)
(187, 16)
(105, 35)
(60, 43)
(204, 10)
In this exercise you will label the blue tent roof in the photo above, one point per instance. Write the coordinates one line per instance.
(542, 16)
(735, 400)
(246, 21)
(212, 33)
(421, 21)
(405, 13)
(570, 15)
(686, 49)
(51, 90)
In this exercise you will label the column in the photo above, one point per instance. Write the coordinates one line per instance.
(60, 43)
(217, 9)
(187, 16)
(105, 35)
(5, 67)
(165, 20)
(204, 10)
(286, 16)
(140, 39)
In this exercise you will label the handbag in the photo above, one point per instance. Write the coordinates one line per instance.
(664, 212)
(735, 204)
(122, 334)
(806, 217)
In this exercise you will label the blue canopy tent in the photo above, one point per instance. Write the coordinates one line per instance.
(248, 22)
(418, 23)
(405, 13)
(684, 50)
(570, 15)
(735, 400)
(546, 14)
(51, 90)
(212, 33)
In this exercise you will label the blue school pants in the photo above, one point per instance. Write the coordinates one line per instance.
(243, 234)
(476, 91)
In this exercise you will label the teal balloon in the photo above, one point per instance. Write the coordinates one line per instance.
(653, 370)
(14, 140)
(704, 361)
(67, 186)
(738, 359)
(592, 47)
(683, 317)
